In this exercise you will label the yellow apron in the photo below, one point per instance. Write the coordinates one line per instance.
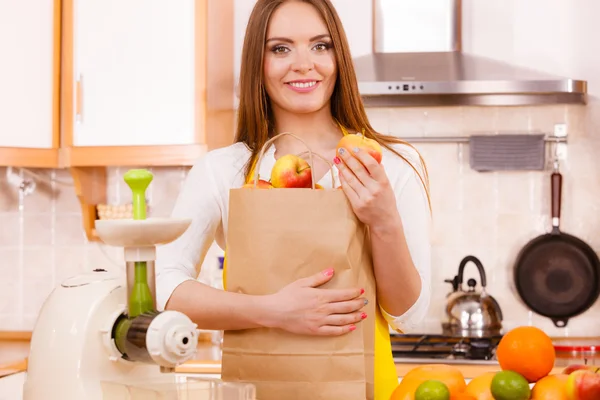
(386, 377)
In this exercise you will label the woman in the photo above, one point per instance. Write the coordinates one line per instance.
(297, 76)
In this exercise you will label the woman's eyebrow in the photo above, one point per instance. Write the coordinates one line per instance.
(287, 40)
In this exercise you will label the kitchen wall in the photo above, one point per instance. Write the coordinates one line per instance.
(489, 215)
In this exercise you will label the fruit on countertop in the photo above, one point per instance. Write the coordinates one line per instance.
(291, 171)
(528, 351)
(510, 385)
(432, 390)
(447, 374)
(361, 142)
(551, 387)
(480, 386)
(463, 396)
(262, 184)
(583, 385)
(575, 367)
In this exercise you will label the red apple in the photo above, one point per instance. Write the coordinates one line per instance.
(361, 142)
(291, 171)
(262, 184)
(583, 385)
(576, 367)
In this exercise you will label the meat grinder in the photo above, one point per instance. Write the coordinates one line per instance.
(101, 327)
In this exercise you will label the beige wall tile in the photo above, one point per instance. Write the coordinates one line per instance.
(38, 229)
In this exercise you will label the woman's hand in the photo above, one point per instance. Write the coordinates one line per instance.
(367, 187)
(301, 307)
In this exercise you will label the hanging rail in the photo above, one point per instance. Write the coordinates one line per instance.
(466, 139)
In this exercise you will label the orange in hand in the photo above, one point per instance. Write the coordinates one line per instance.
(528, 351)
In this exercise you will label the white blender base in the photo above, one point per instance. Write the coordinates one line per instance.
(71, 347)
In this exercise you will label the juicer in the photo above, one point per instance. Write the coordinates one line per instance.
(101, 327)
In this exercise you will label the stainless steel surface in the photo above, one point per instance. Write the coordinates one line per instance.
(449, 360)
(471, 313)
(435, 347)
(417, 60)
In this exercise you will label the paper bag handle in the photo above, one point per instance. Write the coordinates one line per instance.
(327, 162)
(266, 145)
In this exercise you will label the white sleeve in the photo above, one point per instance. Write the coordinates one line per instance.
(181, 259)
(413, 207)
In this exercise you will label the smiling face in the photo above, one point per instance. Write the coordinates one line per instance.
(299, 62)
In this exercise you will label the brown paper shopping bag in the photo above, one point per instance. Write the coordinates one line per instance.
(275, 237)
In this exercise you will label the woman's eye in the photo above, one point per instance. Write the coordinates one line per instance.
(322, 46)
(279, 49)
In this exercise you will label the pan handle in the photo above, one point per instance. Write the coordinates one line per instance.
(560, 322)
(556, 183)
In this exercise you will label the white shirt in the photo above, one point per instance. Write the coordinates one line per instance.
(205, 199)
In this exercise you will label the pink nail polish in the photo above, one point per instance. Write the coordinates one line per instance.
(362, 291)
(363, 315)
(337, 160)
(328, 272)
(352, 328)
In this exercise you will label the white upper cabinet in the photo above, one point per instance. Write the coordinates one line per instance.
(134, 72)
(557, 41)
(27, 73)
(357, 20)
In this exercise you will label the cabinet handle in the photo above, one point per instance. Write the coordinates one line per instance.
(79, 99)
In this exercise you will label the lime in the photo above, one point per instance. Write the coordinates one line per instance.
(510, 385)
(432, 390)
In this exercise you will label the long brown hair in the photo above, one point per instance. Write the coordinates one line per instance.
(255, 116)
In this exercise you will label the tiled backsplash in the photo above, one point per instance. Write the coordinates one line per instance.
(489, 215)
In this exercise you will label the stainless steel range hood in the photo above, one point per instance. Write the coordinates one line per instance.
(417, 59)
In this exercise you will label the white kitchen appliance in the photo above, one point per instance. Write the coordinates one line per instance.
(103, 327)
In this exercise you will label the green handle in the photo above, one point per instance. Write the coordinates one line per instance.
(138, 181)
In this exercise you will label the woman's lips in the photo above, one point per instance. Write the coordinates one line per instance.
(303, 86)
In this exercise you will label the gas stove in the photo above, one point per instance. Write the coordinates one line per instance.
(436, 348)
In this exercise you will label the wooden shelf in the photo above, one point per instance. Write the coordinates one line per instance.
(125, 156)
(29, 157)
(90, 188)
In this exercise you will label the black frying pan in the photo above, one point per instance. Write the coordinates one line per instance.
(557, 275)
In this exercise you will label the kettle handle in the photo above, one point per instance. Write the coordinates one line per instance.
(479, 266)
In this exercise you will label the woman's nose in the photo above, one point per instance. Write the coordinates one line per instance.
(303, 62)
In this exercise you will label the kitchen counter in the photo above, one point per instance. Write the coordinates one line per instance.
(14, 352)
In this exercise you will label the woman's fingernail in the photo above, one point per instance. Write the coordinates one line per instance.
(355, 149)
(328, 272)
(362, 291)
(352, 328)
(366, 302)
(363, 315)
(337, 160)
(341, 150)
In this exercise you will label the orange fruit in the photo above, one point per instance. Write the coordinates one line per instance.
(480, 386)
(551, 387)
(463, 396)
(528, 351)
(447, 374)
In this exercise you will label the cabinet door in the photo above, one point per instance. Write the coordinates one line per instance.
(134, 72)
(357, 20)
(27, 73)
(241, 14)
